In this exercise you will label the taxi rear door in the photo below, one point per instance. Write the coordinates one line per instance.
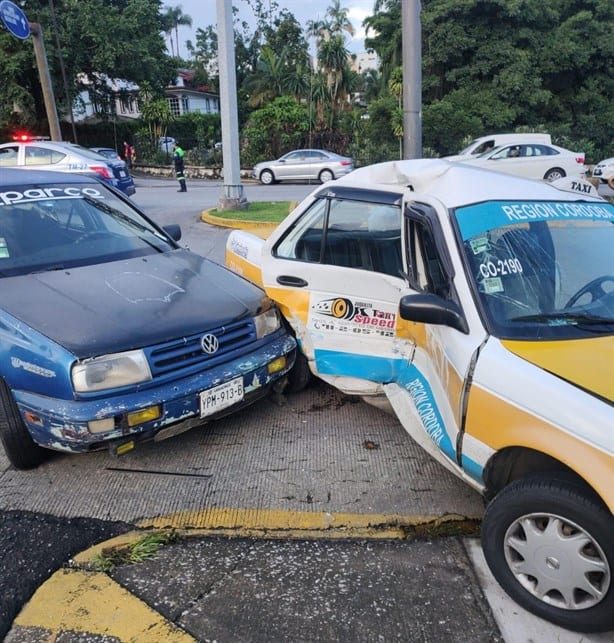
(338, 274)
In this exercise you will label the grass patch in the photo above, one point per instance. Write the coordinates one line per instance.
(140, 550)
(262, 211)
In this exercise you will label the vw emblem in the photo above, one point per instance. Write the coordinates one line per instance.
(209, 344)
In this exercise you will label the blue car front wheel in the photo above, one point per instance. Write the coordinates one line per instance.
(21, 450)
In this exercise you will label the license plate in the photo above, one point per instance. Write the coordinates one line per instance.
(220, 397)
(123, 173)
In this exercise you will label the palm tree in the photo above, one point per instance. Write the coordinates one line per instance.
(339, 21)
(173, 18)
(268, 79)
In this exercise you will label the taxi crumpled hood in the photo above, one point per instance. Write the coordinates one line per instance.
(587, 363)
(111, 307)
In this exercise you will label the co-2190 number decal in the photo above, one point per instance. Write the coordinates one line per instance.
(500, 268)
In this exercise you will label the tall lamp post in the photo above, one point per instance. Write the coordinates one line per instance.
(412, 79)
(232, 197)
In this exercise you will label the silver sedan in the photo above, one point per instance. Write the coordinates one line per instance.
(319, 165)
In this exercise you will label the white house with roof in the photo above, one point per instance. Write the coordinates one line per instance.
(183, 98)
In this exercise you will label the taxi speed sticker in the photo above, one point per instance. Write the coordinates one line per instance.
(344, 315)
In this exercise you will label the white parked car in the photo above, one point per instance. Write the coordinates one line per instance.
(532, 161)
(604, 171)
(489, 142)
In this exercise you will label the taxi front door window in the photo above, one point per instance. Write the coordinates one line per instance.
(427, 270)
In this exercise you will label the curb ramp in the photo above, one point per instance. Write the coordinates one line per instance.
(79, 603)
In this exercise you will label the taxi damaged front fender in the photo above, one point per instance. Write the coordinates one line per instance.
(516, 403)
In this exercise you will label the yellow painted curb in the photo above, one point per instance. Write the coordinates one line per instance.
(261, 229)
(90, 602)
(297, 524)
(84, 601)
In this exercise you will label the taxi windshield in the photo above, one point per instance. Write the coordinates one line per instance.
(541, 269)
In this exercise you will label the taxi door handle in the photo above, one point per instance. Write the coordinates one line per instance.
(288, 280)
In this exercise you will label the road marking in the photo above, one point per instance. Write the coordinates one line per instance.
(80, 601)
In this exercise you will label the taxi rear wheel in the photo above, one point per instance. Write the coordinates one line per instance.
(20, 448)
(548, 542)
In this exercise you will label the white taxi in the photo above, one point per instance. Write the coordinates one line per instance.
(479, 306)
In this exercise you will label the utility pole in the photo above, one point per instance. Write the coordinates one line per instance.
(412, 79)
(232, 197)
(43, 72)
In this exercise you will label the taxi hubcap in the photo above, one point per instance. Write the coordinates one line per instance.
(557, 561)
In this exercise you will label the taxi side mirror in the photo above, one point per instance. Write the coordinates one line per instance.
(428, 308)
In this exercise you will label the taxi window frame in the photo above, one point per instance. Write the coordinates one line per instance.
(425, 215)
(342, 193)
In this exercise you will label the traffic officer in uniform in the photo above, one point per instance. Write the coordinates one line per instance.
(178, 155)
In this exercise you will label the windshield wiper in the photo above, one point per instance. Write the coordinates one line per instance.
(565, 318)
(116, 214)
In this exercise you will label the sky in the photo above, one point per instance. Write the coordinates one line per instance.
(203, 13)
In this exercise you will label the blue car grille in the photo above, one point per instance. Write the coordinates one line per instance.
(187, 353)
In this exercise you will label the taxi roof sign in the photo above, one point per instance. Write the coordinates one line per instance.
(14, 19)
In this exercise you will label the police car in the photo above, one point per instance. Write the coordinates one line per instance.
(110, 332)
(38, 153)
(480, 307)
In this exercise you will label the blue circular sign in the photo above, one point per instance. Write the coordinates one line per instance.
(14, 19)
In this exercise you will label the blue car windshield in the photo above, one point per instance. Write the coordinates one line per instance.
(64, 225)
(541, 269)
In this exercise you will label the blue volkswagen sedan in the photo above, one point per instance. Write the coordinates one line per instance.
(111, 333)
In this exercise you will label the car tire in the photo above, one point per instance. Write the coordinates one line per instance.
(20, 448)
(325, 176)
(548, 542)
(300, 375)
(266, 177)
(554, 173)
(611, 183)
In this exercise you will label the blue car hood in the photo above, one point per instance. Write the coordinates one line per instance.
(111, 307)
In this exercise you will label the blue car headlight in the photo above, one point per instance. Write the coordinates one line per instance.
(267, 322)
(110, 371)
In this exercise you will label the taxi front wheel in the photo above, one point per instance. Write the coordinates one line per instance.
(548, 542)
(21, 450)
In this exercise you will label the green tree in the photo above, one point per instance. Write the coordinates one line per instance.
(274, 129)
(494, 65)
(99, 40)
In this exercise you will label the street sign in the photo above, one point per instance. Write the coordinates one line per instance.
(14, 19)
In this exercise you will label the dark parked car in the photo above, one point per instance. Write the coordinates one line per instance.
(110, 332)
(36, 154)
(107, 152)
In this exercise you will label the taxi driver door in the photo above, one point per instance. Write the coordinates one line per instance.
(430, 394)
(338, 274)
